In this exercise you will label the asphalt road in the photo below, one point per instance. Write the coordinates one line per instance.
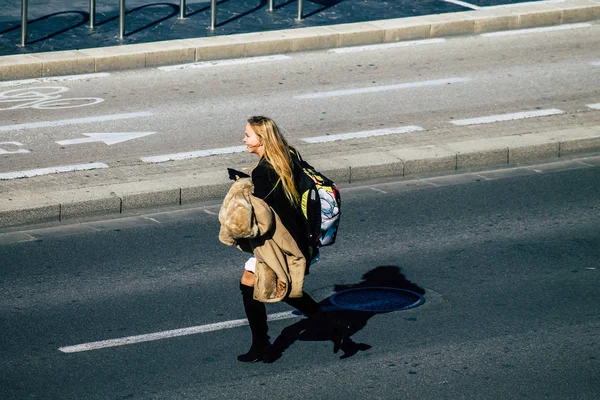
(507, 261)
(432, 86)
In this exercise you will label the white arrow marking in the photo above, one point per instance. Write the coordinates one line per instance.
(108, 137)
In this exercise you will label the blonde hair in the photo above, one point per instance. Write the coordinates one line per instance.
(277, 153)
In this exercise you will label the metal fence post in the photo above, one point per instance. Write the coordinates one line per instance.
(213, 14)
(92, 13)
(24, 12)
(121, 19)
(300, 9)
(181, 9)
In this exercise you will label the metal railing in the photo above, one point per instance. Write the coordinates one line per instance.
(24, 12)
(300, 9)
(213, 14)
(123, 12)
(92, 13)
(181, 9)
(122, 7)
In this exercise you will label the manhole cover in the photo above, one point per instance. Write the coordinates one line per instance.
(377, 299)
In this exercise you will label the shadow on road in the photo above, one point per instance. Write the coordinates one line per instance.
(73, 19)
(315, 330)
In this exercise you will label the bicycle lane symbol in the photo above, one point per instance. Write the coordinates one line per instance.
(43, 98)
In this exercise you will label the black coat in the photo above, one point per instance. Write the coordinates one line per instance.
(268, 187)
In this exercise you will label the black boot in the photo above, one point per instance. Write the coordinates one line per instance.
(257, 319)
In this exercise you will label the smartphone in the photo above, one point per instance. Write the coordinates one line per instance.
(233, 172)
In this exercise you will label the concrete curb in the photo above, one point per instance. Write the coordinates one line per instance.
(518, 16)
(30, 208)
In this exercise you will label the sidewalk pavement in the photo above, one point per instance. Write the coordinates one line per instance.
(68, 196)
(257, 43)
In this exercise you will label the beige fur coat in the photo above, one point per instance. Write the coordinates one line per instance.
(251, 224)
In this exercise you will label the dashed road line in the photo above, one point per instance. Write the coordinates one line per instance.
(222, 63)
(51, 170)
(594, 106)
(54, 79)
(507, 117)
(363, 134)
(194, 154)
(596, 63)
(74, 121)
(384, 88)
(537, 30)
(356, 49)
(169, 334)
(379, 190)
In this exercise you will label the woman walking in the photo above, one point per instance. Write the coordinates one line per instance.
(273, 180)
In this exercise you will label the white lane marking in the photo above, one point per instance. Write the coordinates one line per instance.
(51, 170)
(379, 190)
(384, 88)
(507, 117)
(194, 154)
(106, 137)
(597, 64)
(464, 4)
(357, 49)
(169, 334)
(537, 30)
(75, 121)
(54, 79)
(362, 134)
(222, 63)
(594, 106)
